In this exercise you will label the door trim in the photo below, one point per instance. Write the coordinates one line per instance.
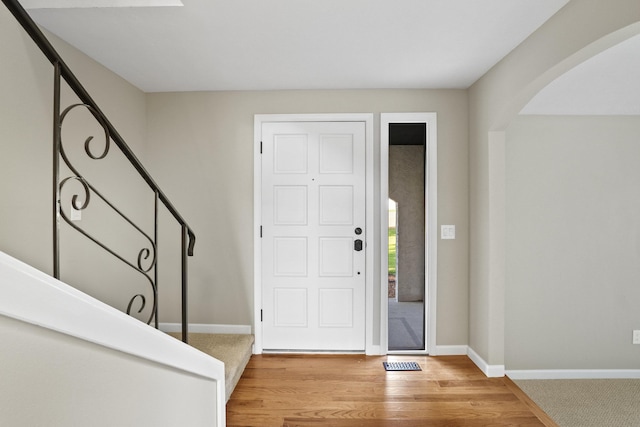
(369, 231)
(431, 224)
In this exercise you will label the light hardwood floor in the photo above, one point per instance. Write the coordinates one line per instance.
(355, 390)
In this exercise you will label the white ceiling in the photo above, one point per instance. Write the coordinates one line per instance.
(295, 44)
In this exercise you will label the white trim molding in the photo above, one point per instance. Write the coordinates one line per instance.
(204, 328)
(571, 374)
(450, 350)
(431, 222)
(490, 371)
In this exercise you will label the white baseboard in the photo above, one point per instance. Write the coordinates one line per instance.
(460, 350)
(204, 328)
(374, 350)
(562, 374)
(488, 370)
(451, 350)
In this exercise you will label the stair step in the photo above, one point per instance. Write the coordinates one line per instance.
(232, 349)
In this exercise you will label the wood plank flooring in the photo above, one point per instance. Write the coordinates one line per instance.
(355, 390)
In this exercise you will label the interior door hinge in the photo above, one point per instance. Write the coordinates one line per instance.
(260, 147)
(261, 232)
(261, 315)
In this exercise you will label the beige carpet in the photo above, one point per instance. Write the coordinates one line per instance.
(232, 349)
(587, 403)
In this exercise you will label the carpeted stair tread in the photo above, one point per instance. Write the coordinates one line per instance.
(232, 349)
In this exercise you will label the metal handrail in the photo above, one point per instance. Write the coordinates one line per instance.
(62, 71)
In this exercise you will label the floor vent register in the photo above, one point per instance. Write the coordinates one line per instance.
(401, 366)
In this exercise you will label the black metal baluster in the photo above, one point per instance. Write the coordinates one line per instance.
(184, 284)
(56, 171)
(155, 238)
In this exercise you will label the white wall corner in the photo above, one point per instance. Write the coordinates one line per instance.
(203, 328)
(489, 370)
(572, 374)
(451, 350)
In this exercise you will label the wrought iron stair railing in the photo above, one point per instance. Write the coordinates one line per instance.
(147, 259)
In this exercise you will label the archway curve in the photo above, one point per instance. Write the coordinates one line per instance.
(521, 99)
(497, 144)
(494, 101)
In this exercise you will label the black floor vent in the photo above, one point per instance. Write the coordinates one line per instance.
(401, 366)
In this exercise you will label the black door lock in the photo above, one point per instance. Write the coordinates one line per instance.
(357, 245)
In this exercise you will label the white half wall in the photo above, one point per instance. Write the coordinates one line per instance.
(70, 360)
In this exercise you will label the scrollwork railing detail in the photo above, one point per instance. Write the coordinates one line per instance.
(87, 142)
(147, 256)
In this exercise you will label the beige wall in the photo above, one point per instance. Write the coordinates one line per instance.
(578, 31)
(25, 138)
(199, 148)
(572, 242)
(201, 151)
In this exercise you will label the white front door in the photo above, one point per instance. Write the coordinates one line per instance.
(313, 248)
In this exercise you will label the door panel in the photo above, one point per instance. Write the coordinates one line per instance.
(336, 257)
(290, 154)
(290, 256)
(313, 199)
(336, 308)
(336, 154)
(290, 205)
(290, 307)
(336, 205)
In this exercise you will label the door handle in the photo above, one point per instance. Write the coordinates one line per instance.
(357, 245)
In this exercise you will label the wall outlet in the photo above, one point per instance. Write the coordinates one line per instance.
(636, 336)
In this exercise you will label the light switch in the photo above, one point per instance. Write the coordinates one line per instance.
(447, 232)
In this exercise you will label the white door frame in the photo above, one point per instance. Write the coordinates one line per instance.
(431, 224)
(369, 232)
